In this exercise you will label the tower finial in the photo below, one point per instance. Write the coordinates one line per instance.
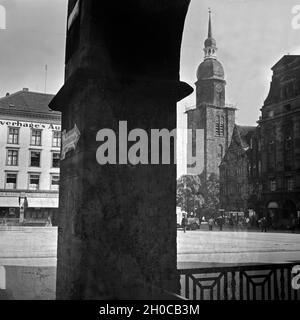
(209, 24)
(210, 46)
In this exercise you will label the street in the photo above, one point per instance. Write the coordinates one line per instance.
(217, 248)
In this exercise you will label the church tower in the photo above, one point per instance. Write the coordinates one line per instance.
(211, 120)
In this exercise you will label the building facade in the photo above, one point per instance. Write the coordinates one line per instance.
(30, 139)
(278, 158)
(266, 161)
(234, 171)
(211, 120)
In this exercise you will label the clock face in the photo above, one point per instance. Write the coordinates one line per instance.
(219, 87)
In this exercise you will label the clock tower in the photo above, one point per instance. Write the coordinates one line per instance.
(212, 118)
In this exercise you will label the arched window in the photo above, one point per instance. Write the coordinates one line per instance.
(222, 123)
(220, 152)
(217, 125)
(2, 17)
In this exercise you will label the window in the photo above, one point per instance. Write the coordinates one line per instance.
(290, 183)
(56, 139)
(55, 159)
(271, 155)
(222, 126)
(36, 137)
(12, 157)
(54, 182)
(35, 158)
(217, 125)
(11, 181)
(34, 181)
(273, 185)
(220, 152)
(13, 135)
(288, 146)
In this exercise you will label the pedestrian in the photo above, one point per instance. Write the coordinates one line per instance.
(210, 223)
(263, 224)
(293, 224)
(184, 223)
(221, 222)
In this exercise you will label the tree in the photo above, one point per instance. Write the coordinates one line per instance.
(212, 195)
(195, 194)
(189, 195)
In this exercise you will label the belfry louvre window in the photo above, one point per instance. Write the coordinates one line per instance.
(222, 120)
(13, 135)
(219, 126)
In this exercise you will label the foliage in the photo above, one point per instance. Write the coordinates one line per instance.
(197, 195)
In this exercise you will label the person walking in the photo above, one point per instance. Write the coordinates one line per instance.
(184, 223)
(221, 222)
(210, 223)
(263, 223)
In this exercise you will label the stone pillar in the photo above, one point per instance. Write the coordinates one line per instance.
(117, 223)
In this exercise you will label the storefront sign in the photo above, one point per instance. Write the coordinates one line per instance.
(24, 124)
(69, 141)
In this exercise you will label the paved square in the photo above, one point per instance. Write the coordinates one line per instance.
(212, 248)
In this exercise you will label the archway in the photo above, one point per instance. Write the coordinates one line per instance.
(289, 209)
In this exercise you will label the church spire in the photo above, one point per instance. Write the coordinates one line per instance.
(209, 24)
(210, 47)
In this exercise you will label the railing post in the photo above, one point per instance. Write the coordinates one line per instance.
(233, 285)
(282, 284)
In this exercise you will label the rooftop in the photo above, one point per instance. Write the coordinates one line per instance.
(28, 101)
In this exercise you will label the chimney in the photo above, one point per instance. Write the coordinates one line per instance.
(7, 94)
(25, 89)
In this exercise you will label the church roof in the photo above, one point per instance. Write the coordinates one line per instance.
(27, 101)
(210, 69)
(245, 133)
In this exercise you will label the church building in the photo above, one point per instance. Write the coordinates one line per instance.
(211, 120)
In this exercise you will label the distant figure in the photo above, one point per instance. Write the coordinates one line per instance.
(184, 223)
(263, 224)
(221, 222)
(293, 224)
(210, 224)
(248, 222)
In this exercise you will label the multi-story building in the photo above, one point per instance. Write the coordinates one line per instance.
(211, 120)
(280, 143)
(271, 154)
(30, 139)
(234, 171)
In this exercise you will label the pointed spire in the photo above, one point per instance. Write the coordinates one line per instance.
(209, 24)
(210, 47)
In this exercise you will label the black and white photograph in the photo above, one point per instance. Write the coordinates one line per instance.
(150, 151)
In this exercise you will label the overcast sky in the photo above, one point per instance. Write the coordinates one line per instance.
(251, 36)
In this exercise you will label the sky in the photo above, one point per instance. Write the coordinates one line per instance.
(251, 35)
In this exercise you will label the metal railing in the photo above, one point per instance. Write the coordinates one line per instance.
(247, 282)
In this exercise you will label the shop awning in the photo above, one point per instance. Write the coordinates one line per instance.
(42, 202)
(9, 202)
